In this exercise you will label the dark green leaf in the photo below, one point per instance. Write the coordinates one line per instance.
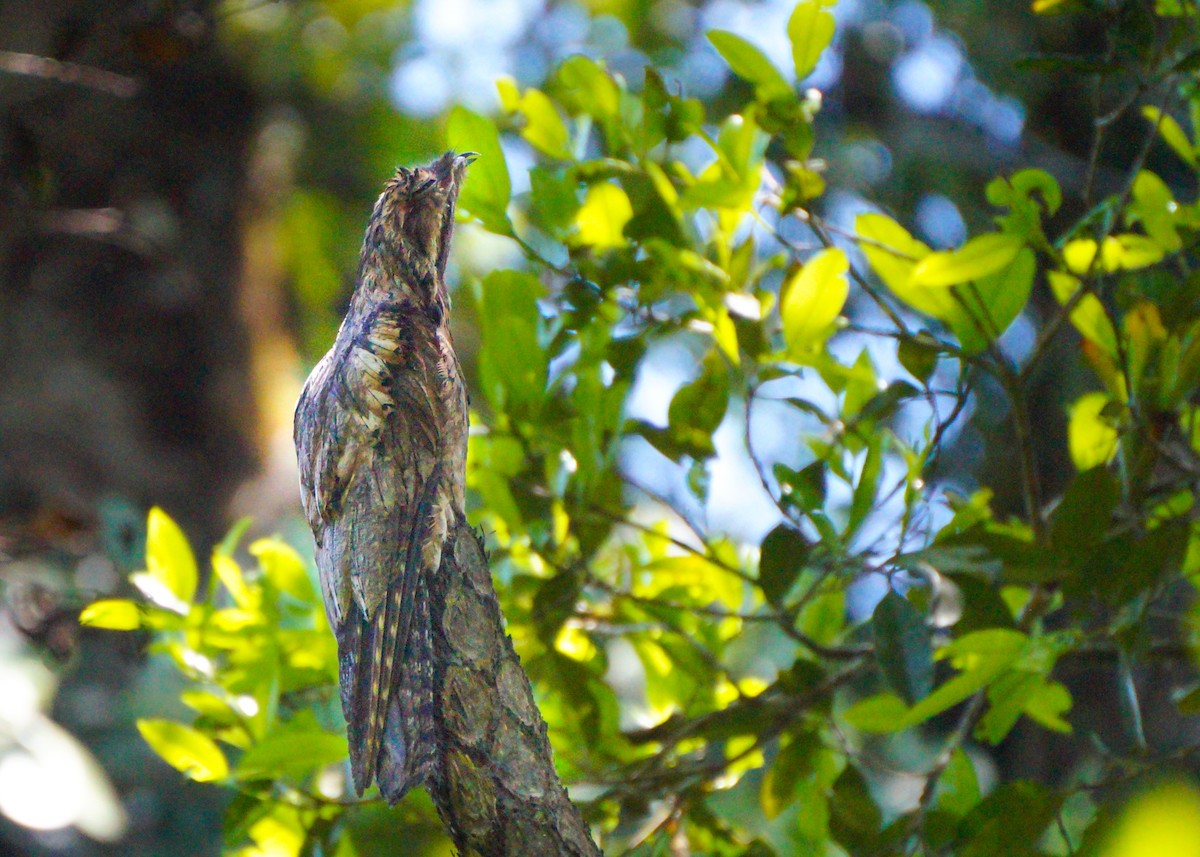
(1082, 518)
(902, 647)
(854, 817)
(782, 556)
(1009, 821)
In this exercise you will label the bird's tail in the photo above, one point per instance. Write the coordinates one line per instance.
(408, 752)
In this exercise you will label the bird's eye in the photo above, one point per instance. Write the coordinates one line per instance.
(423, 187)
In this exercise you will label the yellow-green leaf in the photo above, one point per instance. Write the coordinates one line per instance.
(185, 749)
(810, 29)
(748, 62)
(1154, 206)
(979, 257)
(1091, 439)
(1162, 822)
(603, 216)
(115, 614)
(893, 254)
(1173, 135)
(812, 300)
(284, 568)
(230, 574)
(544, 128)
(1129, 252)
(169, 558)
(1088, 316)
(884, 712)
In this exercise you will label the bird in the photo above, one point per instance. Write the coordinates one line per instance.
(381, 442)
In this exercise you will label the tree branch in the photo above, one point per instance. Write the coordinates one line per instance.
(499, 795)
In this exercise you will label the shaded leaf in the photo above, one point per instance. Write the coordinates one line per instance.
(782, 556)
(903, 648)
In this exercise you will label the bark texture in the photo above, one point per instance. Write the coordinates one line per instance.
(500, 795)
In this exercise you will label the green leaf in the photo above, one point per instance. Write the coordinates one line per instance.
(293, 749)
(585, 87)
(603, 216)
(1082, 517)
(979, 257)
(512, 365)
(980, 656)
(919, 358)
(169, 558)
(903, 648)
(698, 408)
(284, 568)
(793, 763)
(893, 255)
(958, 788)
(867, 486)
(487, 188)
(782, 556)
(230, 574)
(993, 302)
(185, 749)
(812, 299)
(1173, 135)
(544, 128)
(750, 63)
(882, 713)
(1153, 205)
(1009, 821)
(810, 29)
(116, 614)
(1091, 436)
(854, 817)
(1088, 316)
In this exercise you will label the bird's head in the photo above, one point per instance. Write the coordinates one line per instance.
(414, 216)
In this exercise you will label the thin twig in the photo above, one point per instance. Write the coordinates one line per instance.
(90, 77)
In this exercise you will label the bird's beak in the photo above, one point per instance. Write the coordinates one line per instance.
(467, 157)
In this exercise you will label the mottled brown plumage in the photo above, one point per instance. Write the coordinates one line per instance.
(381, 438)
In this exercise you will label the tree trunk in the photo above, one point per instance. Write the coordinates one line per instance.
(500, 795)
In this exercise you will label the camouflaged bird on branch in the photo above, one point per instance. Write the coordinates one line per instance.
(432, 690)
(381, 435)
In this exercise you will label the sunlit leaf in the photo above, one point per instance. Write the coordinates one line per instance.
(544, 128)
(169, 557)
(284, 568)
(810, 29)
(1153, 205)
(983, 255)
(115, 614)
(1173, 135)
(991, 303)
(230, 574)
(1088, 316)
(812, 299)
(1091, 438)
(603, 216)
(750, 63)
(185, 749)
(1161, 822)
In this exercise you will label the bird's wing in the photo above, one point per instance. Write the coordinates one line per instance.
(367, 440)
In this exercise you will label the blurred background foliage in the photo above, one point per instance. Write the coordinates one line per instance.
(834, 373)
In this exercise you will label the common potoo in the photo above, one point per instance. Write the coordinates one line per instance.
(381, 437)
